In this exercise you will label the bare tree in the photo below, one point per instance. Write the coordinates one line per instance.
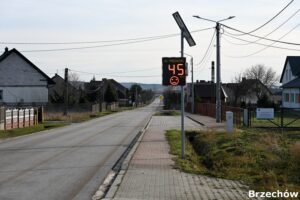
(238, 88)
(74, 80)
(75, 91)
(265, 74)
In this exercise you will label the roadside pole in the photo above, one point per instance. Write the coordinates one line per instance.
(179, 71)
(66, 99)
(182, 101)
(193, 95)
(218, 90)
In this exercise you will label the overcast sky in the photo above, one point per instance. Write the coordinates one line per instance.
(94, 20)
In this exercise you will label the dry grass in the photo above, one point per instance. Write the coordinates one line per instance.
(263, 159)
(61, 117)
(74, 117)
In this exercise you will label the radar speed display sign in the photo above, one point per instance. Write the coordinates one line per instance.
(174, 71)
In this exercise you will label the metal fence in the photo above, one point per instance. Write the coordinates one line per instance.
(288, 118)
(209, 109)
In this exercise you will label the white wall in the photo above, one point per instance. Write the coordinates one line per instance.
(287, 76)
(13, 95)
(21, 83)
(16, 71)
(289, 104)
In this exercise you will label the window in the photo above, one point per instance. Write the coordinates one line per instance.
(1, 95)
(297, 98)
(292, 99)
(286, 97)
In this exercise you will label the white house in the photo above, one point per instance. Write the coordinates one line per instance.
(21, 82)
(290, 79)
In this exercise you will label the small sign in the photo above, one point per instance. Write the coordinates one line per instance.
(264, 113)
(174, 71)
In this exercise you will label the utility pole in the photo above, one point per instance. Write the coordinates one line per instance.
(218, 84)
(66, 96)
(218, 88)
(136, 93)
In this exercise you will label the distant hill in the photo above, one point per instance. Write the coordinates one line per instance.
(153, 87)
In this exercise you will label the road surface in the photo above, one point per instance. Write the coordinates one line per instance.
(69, 162)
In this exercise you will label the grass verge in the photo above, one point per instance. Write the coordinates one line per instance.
(167, 113)
(263, 159)
(75, 117)
(29, 130)
(55, 120)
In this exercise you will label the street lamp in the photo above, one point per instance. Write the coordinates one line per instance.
(218, 90)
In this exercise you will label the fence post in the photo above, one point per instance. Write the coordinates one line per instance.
(5, 119)
(29, 117)
(229, 121)
(245, 118)
(12, 119)
(281, 116)
(24, 117)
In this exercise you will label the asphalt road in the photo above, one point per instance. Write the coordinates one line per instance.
(69, 162)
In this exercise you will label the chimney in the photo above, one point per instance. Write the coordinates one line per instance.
(243, 79)
(6, 50)
(212, 71)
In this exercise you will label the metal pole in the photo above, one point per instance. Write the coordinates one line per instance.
(66, 98)
(218, 88)
(182, 104)
(193, 95)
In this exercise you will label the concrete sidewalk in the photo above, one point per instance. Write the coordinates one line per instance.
(151, 173)
(207, 122)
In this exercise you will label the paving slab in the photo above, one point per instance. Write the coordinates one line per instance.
(151, 173)
(208, 122)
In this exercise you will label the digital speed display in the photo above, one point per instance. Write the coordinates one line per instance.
(174, 71)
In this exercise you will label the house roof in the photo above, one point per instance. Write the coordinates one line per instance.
(293, 84)
(117, 84)
(58, 79)
(276, 91)
(9, 52)
(207, 90)
(294, 62)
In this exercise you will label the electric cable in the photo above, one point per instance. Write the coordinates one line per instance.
(293, 15)
(266, 45)
(261, 26)
(209, 46)
(264, 38)
(261, 50)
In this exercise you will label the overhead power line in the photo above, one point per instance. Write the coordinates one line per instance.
(268, 46)
(261, 26)
(276, 47)
(122, 72)
(208, 48)
(99, 41)
(111, 75)
(263, 38)
(293, 15)
(88, 42)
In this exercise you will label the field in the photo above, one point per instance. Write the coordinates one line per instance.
(265, 160)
